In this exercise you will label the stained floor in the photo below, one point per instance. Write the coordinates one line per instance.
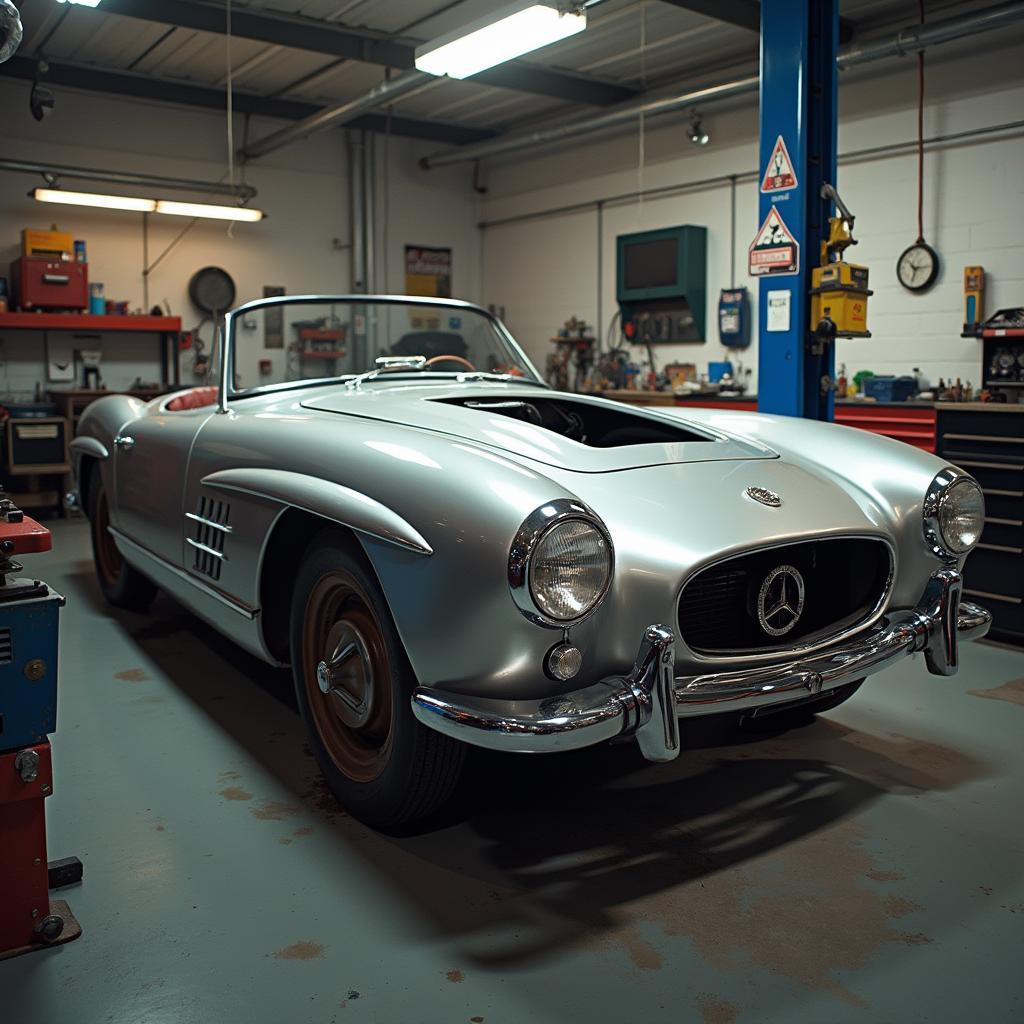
(867, 867)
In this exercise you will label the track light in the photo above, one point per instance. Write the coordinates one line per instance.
(697, 132)
(139, 205)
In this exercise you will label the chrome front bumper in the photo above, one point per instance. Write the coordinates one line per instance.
(648, 700)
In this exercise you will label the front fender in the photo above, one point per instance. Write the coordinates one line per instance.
(323, 498)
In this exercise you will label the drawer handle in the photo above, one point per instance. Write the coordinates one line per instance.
(56, 279)
(992, 465)
(984, 437)
(994, 597)
(1002, 547)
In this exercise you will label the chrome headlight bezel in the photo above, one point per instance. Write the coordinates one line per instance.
(939, 491)
(533, 530)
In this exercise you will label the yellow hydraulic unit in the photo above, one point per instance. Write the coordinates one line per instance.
(839, 290)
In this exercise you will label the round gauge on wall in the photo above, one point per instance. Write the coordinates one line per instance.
(918, 267)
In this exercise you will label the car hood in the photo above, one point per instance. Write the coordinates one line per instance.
(429, 407)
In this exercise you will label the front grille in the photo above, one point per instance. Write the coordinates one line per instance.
(6, 646)
(845, 579)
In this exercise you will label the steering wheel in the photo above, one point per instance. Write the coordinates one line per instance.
(449, 359)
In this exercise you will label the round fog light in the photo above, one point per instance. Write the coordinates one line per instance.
(563, 661)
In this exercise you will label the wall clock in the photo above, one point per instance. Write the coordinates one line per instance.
(918, 266)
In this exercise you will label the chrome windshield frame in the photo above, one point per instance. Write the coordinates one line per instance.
(228, 335)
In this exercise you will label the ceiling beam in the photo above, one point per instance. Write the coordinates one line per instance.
(139, 86)
(744, 14)
(261, 25)
(300, 33)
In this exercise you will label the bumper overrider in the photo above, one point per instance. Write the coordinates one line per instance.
(648, 701)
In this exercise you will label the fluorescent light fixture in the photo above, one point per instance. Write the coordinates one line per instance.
(81, 3)
(507, 33)
(208, 210)
(59, 195)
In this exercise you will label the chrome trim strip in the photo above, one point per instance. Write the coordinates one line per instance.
(635, 704)
(753, 655)
(89, 446)
(539, 522)
(208, 522)
(164, 566)
(206, 550)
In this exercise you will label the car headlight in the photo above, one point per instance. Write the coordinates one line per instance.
(560, 564)
(954, 514)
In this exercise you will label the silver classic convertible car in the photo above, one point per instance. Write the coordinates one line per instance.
(382, 493)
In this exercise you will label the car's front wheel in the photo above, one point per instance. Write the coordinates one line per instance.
(353, 683)
(122, 586)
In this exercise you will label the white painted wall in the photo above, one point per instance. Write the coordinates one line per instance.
(545, 270)
(302, 245)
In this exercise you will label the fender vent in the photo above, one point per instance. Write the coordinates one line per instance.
(6, 646)
(210, 522)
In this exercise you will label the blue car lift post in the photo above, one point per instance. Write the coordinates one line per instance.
(799, 83)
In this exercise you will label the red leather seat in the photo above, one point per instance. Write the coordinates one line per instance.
(194, 398)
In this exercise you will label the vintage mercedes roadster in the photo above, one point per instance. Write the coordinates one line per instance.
(382, 493)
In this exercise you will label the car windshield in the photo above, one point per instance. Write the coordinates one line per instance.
(310, 339)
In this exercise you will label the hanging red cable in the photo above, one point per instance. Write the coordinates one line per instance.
(920, 136)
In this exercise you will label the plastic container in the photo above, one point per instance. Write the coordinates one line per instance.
(890, 389)
(97, 304)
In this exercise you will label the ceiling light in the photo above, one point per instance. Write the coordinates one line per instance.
(59, 195)
(507, 33)
(208, 210)
(698, 133)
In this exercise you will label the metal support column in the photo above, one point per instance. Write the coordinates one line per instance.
(799, 41)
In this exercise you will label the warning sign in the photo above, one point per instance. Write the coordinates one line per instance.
(775, 250)
(779, 175)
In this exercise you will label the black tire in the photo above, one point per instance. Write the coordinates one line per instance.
(803, 712)
(122, 586)
(383, 766)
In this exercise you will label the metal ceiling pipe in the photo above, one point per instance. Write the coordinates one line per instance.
(357, 208)
(330, 117)
(907, 40)
(53, 172)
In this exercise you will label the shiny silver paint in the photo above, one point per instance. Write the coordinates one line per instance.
(435, 493)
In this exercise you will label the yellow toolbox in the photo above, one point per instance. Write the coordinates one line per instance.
(839, 292)
(59, 244)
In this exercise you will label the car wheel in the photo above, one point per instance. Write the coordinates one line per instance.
(353, 683)
(793, 715)
(122, 585)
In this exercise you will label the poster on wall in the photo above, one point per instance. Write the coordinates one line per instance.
(428, 271)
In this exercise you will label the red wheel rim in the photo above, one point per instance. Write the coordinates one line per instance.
(347, 677)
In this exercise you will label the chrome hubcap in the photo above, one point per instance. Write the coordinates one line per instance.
(346, 675)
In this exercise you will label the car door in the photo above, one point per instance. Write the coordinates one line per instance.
(150, 462)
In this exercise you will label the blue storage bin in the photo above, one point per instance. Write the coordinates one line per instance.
(890, 389)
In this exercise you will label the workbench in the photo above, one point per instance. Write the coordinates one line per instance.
(166, 328)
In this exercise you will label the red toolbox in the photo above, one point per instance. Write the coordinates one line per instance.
(49, 284)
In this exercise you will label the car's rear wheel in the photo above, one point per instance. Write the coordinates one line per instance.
(122, 586)
(353, 682)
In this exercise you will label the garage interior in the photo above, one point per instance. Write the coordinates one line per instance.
(861, 864)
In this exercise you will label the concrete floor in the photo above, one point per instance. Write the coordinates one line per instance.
(867, 867)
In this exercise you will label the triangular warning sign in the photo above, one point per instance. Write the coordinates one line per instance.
(779, 175)
(774, 250)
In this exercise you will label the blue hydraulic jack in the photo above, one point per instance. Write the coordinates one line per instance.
(29, 617)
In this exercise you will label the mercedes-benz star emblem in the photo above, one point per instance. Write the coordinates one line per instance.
(763, 495)
(780, 602)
